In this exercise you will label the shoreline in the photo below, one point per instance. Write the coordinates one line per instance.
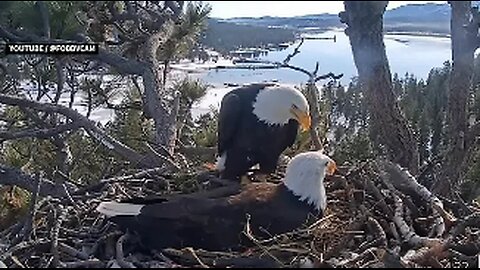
(418, 34)
(385, 32)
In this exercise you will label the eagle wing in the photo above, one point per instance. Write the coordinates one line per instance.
(291, 134)
(182, 208)
(230, 111)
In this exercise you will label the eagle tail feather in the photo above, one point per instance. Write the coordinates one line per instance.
(112, 209)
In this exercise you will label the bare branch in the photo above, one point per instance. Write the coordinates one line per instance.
(403, 180)
(317, 66)
(45, 18)
(13, 176)
(87, 124)
(38, 133)
(295, 52)
(121, 64)
(59, 215)
(10, 36)
(407, 232)
(120, 255)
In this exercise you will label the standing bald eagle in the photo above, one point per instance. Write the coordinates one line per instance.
(217, 223)
(256, 124)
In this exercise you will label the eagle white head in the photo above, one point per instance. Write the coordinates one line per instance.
(277, 104)
(305, 174)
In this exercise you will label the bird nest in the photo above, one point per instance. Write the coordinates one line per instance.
(377, 216)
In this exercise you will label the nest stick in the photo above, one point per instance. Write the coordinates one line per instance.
(72, 251)
(94, 263)
(55, 234)
(402, 177)
(248, 232)
(189, 249)
(119, 256)
(407, 233)
(378, 233)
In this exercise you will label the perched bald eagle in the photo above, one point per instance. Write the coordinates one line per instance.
(256, 124)
(217, 224)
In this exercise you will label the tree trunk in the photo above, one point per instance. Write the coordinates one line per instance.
(313, 100)
(463, 48)
(157, 98)
(389, 128)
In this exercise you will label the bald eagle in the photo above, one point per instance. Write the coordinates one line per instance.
(256, 124)
(217, 223)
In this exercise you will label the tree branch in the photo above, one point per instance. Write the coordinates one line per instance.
(38, 133)
(121, 64)
(45, 18)
(14, 176)
(108, 141)
(10, 36)
(295, 52)
(328, 75)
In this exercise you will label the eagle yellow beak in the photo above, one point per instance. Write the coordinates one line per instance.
(302, 117)
(331, 167)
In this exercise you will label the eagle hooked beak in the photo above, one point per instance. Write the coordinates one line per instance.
(302, 117)
(331, 167)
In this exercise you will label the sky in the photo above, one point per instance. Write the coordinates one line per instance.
(229, 9)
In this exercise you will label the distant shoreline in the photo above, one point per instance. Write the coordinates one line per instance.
(422, 34)
(386, 32)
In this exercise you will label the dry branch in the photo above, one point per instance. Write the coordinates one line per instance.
(38, 133)
(404, 181)
(406, 231)
(13, 176)
(91, 128)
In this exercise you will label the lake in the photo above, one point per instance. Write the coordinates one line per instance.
(412, 54)
(406, 53)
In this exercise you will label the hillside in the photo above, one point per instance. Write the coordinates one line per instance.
(430, 17)
(226, 36)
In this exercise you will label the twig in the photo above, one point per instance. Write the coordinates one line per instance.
(378, 233)
(39, 133)
(58, 219)
(72, 251)
(189, 249)
(365, 254)
(355, 225)
(380, 198)
(17, 262)
(471, 220)
(14, 176)
(403, 179)
(394, 231)
(119, 256)
(94, 263)
(248, 232)
(32, 209)
(295, 52)
(156, 154)
(328, 75)
(21, 246)
(408, 234)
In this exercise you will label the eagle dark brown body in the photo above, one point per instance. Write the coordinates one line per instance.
(219, 223)
(216, 224)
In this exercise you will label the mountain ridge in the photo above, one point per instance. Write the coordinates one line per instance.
(427, 17)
